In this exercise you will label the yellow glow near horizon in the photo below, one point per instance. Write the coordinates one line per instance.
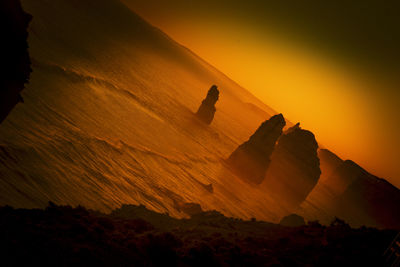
(326, 96)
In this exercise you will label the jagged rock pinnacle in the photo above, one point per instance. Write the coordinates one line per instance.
(251, 159)
(294, 168)
(207, 108)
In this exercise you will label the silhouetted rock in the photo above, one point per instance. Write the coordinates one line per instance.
(252, 158)
(348, 191)
(15, 62)
(292, 220)
(66, 236)
(207, 108)
(365, 199)
(294, 168)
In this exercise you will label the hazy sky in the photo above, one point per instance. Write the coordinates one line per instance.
(331, 66)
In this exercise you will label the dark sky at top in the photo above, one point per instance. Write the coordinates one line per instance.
(363, 35)
(368, 31)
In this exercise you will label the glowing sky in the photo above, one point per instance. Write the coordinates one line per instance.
(332, 67)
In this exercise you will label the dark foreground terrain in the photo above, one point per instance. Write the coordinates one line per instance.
(135, 236)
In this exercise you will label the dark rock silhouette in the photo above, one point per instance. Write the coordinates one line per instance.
(348, 191)
(136, 236)
(362, 198)
(15, 62)
(329, 162)
(252, 158)
(207, 108)
(294, 168)
(292, 220)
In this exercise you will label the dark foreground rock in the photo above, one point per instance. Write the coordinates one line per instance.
(207, 108)
(15, 64)
(135, 236)
(252, 158)
(294, 168)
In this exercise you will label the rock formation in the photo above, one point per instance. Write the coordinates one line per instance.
(207, 108)
(252, 158)
(348, 191)
(294, 168)
(364, 199)
(15, 62)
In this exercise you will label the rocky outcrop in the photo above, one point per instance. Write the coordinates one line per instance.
(348, 191)
(364, 198)
(252, 158)
(15, 62)
(207, 108)
(294, 168)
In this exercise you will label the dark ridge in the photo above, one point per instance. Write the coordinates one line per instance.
(135, 236)
(15, 62)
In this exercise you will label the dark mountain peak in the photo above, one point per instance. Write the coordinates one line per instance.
(251, 159)
(207, 108)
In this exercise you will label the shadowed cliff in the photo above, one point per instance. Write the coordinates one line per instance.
(294, 168)
(15, 64)
(252, 158)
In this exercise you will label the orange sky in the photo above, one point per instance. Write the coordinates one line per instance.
(336, 99)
